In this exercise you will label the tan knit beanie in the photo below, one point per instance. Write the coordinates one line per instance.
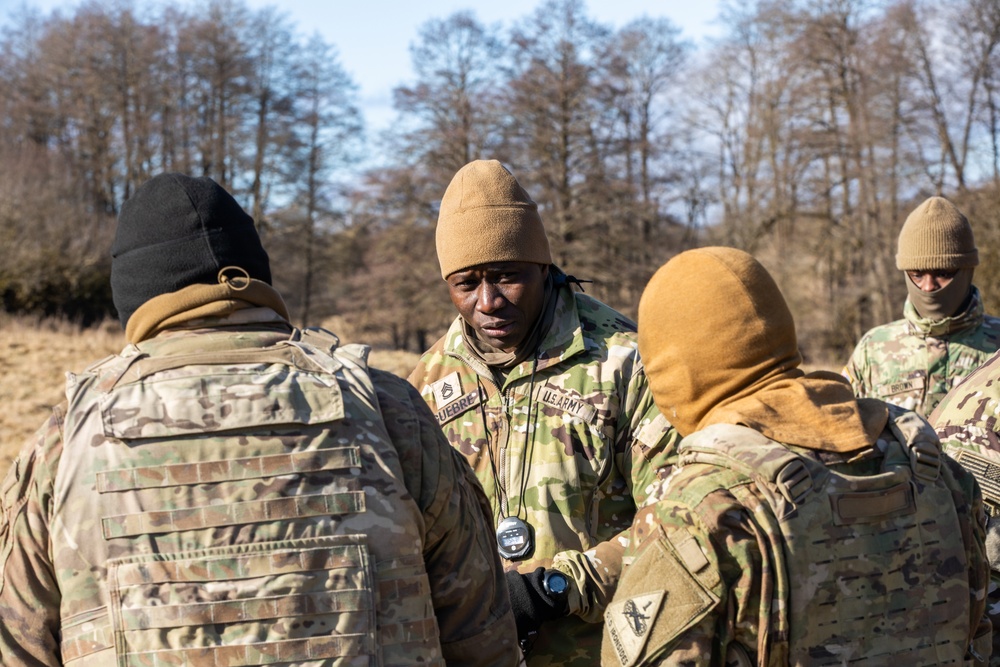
(487, 217)
(936, 236)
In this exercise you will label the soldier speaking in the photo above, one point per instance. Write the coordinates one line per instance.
(542, 390)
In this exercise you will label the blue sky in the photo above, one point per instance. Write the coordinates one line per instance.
(373, 36)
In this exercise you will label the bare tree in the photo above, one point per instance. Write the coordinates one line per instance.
(450, 113)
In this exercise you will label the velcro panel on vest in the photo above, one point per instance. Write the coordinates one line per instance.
(175, 402)
(292, 601)
(873, 506)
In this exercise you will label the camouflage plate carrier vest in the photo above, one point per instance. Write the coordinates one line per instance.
(251, 512)
(871, 567)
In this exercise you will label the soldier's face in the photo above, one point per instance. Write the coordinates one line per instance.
(930, 281)
(500, 300)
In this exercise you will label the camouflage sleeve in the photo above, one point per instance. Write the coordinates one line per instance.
(470, 595)
(29, 595)
(965, 423)
(856, 369)
(691, 592)
(645, 451)
(983, 593)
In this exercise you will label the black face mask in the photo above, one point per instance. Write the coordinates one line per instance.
(945, 302)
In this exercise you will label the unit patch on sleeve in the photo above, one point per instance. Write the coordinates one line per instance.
(657, 600)
(629, 622)
(567, 402)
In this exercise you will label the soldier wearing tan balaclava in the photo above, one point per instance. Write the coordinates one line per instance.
(944, 334)
(801, 526)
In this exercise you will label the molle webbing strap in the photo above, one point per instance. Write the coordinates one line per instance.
(215, 591)
(402, 583)
(161, 617)
(289, 651)
(214, 516)
(246, 562)
(87, 638)
(920, 440)
(794, 481)
(209, 472)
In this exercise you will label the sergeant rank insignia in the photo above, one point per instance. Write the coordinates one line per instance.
(449, 399)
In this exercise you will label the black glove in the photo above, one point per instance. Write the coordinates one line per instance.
(531, 604)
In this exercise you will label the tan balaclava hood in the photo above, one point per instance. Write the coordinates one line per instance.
(936, 236)
(719, 346)
(486, 216)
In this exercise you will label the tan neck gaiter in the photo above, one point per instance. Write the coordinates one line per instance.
(942, 303)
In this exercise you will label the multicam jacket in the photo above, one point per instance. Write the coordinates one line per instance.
(914, 362)
(571, 442)
(967, 422)
(759, 553)
(245, 496)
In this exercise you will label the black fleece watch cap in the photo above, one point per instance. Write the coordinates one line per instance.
(177, 231)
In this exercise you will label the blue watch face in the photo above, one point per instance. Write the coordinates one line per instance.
(556, 582)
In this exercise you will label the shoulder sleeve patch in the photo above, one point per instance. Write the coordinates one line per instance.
(657, 600)
(628, 624)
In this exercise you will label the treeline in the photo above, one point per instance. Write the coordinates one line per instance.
(805, 134)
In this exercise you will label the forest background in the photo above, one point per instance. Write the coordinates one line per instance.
(804, 133)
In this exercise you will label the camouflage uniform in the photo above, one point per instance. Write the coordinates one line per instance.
(580, 425)
(755, 554)
(239, 496)
(914, 362)
(966, 421)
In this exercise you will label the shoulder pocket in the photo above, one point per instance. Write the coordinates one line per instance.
(658, 599)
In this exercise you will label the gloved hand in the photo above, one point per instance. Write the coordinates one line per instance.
(531, 604)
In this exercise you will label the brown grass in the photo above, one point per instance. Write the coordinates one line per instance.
(35, 355)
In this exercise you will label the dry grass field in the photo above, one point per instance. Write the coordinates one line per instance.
(35, 355)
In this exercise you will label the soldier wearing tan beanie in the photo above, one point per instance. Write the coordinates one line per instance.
(486, 216)
(541, 388)
(944, 334)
